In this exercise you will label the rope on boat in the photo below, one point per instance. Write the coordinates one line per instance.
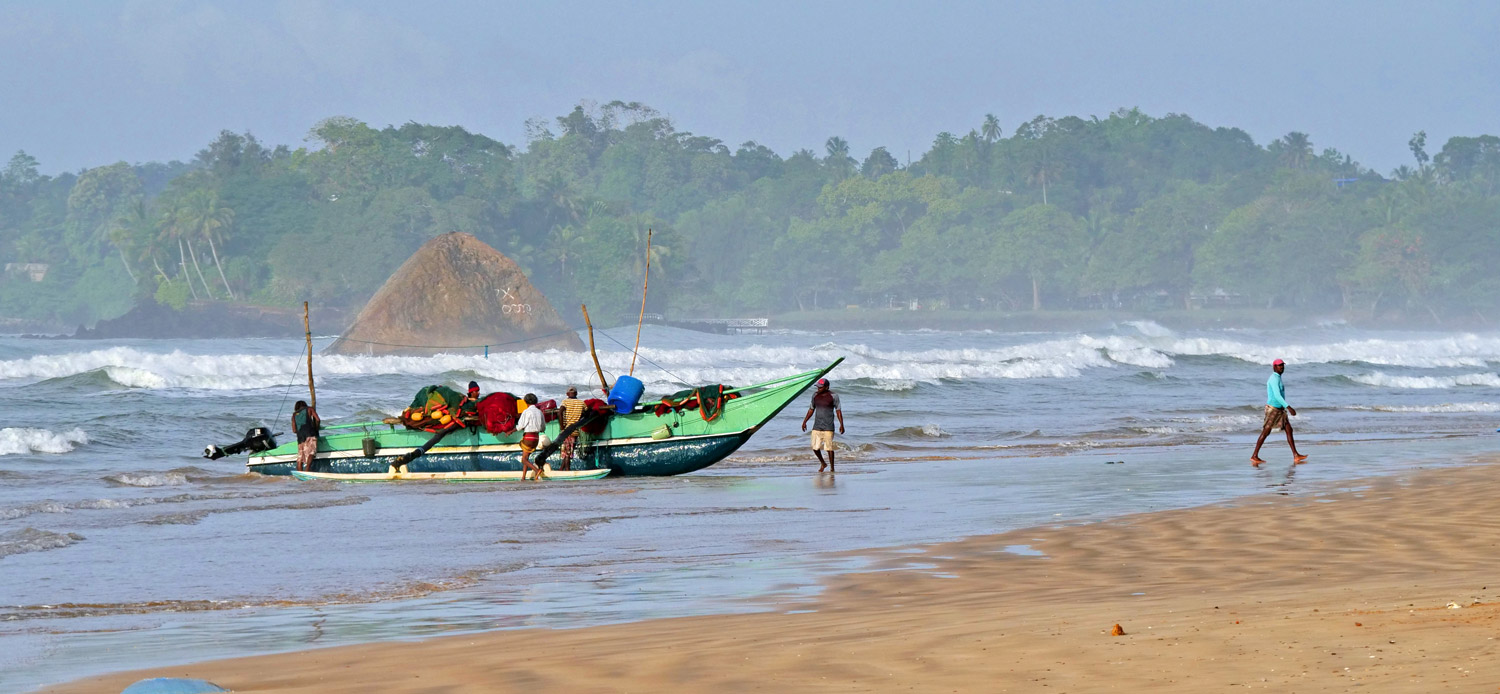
(647, 359)
(288, 392)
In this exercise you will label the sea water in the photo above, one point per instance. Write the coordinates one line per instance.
(120, 547)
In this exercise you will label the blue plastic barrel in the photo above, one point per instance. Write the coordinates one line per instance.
(625, 393)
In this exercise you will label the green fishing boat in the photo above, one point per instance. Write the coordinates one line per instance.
(639, 443)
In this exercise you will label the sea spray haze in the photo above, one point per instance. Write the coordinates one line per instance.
(109, 520)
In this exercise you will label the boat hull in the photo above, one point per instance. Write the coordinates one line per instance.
(637, 444)
(475, 476)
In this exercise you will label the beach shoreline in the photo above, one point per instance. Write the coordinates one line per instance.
(1312, 592)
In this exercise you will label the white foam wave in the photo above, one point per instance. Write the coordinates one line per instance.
(1436, 352)
(897, 369)
(1455, 407)
(148, 479)
(21, 441)
(1384, 380)
(1150, 328)
(1207, 425)
(933, 430)
(33, 540)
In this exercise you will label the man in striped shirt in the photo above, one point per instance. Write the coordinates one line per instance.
(572, 410)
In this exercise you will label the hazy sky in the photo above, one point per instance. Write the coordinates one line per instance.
(89, 83)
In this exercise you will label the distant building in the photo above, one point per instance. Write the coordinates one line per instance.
(35, 272)
(1218, 298)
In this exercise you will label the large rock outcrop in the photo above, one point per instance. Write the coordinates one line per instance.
(456, 295)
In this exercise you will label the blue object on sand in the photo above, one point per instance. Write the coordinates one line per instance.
(172, 685)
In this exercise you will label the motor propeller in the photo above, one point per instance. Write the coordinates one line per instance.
(256, 440)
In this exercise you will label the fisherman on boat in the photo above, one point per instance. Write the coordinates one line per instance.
(468, 408)
(531, 424)
(572, 410)
(306, 424)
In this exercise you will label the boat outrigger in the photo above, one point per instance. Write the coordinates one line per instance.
(640, 442)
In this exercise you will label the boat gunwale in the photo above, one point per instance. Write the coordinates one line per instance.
(800, 382)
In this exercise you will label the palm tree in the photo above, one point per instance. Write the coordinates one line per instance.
(655, 255)
(209, 220)
(171, 230)
(187, 236)
(838, 159)
(968, 152)
(567, 238)
(1296, 149)
(1045, 169)
(991, 128)
(131, 228)
(560, 205)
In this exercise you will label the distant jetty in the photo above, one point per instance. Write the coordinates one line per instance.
(721, 326)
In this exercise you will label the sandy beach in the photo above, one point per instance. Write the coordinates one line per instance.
(1394, 586)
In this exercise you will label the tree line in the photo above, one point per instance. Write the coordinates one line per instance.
(1126, 211)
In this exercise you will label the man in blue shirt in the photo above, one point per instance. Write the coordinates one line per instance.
(1276, 415)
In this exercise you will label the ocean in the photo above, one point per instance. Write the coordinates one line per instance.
(121, 547)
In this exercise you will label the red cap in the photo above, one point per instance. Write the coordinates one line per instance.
(1278, 362)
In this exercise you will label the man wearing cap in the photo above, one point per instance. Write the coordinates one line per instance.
(824, 407)
(468, 408)
(1276, 415)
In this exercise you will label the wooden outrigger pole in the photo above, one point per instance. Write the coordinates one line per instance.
(312, 392)
(602, 384)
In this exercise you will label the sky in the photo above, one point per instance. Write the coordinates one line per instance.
(85, 84)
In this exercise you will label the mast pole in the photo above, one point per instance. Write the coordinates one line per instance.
(592, 353)
(312, 392)
(644, 284)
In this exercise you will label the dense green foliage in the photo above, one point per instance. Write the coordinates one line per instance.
(1127, 211)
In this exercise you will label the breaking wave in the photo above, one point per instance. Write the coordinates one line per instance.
(1145, 345)
(1383, 380)
(148, 479)
(21, 441)
(33, 540)
(925, 431)
(1454, 407)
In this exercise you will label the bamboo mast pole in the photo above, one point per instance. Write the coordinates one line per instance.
(646, 282)
(598, 369)
(312, 393)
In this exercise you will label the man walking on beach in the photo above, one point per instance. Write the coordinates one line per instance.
(531, 424)
(1276, 415)
(824, 407)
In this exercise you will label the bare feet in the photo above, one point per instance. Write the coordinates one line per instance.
(1299, 459)
(1256, 461)
(823, 467)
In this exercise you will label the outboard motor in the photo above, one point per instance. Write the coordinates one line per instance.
(256, 440)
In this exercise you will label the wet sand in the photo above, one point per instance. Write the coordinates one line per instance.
(1304, 593)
